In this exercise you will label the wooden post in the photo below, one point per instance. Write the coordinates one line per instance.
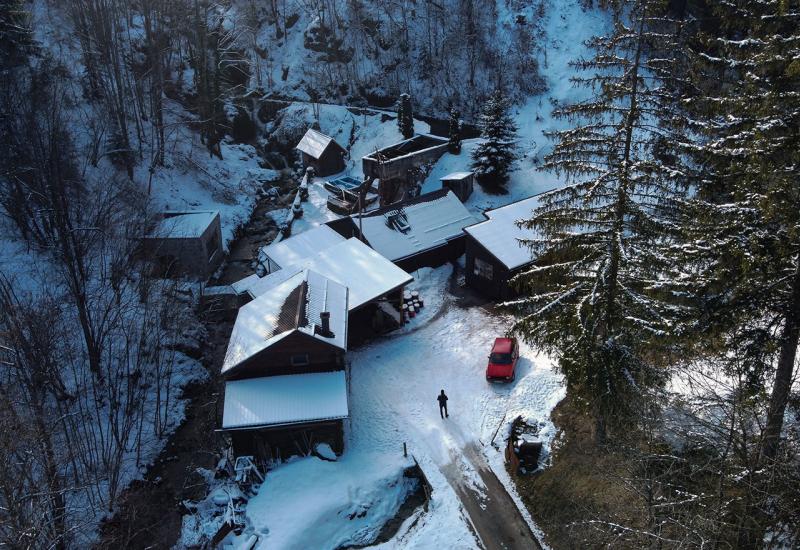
(498, 428)
(402, 314)
(405, 451)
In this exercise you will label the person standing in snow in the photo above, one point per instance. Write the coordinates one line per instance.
(442, 399)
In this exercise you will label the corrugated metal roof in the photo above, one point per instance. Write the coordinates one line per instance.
(407, 147)
(293, 305)
(281, 400)
(184, 224)
(408, 228)
(300, 246)
(243, 285)
(500, 234)
(456, 176)
(351, 263)
(314, 143)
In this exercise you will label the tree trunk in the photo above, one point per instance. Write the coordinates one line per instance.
(57, 503)
(600, 430)
(783, 376)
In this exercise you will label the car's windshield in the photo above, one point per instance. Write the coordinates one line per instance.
(500, 358)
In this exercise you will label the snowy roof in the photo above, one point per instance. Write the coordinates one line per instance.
(499, 234)
(351, 263)
(294, 305)
(457, 176)
(410, 227)
(314, 143)
(185, 224)
(281, 400)
(244, 285)
(300, 246)
(408, 147)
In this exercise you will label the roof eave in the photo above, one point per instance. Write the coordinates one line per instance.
(283, 424)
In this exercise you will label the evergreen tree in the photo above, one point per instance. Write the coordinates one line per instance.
(745, 218)
(405, 117)
(493, 158)
(598, 297)
(454, 131)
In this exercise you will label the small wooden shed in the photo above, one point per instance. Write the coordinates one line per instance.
(186, 243)
(279, 416)
(322, 153)
(494, 253)
(459, 183)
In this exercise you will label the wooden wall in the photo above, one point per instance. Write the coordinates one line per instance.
(434, 257)
(196, 258)
(267, 444)
(497, 287)
(277, 360)
(330, 162)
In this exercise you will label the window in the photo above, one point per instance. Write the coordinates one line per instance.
(299, 360)
(397, 220)
(484, 269)
(501, 358)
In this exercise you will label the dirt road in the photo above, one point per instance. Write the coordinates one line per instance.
(494, 515)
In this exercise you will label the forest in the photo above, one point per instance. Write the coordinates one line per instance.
(667, 279)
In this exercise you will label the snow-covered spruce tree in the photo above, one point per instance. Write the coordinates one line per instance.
(597, 297)
(746, 216)
(493, 158)
(454, 131)
(405, 116)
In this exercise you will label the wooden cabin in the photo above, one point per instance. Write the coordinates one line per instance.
(401, 167)
(322, 153)
(460, 183)
(284, 368)
(375, 285)
(186, 243)
(423, 231)
(494, 254)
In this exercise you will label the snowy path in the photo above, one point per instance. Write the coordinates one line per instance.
(494, 515)
(395, 382)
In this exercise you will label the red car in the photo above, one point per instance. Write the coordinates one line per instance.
(503, 360)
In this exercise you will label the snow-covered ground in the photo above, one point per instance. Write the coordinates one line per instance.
(191, 179)
(394, 384)
(311, 503)
(395, 380)
(565, 43)
(308, 502)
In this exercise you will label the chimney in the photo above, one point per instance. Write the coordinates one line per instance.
(324, 329)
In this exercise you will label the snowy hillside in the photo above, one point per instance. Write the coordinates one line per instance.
(443, 53)
(564, 40)
(394, 382)
(647, 335)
